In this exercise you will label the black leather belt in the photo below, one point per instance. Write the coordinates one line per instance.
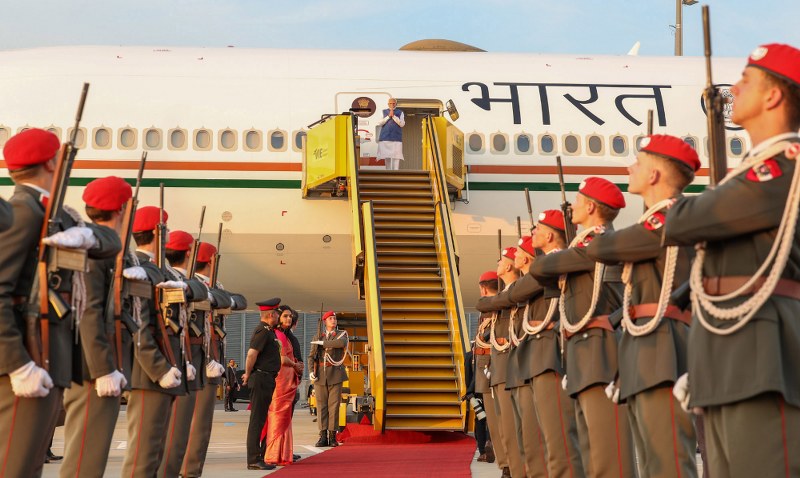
(264, 371)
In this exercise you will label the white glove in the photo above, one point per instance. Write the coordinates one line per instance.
(134, 273)
(74, 238)
(191, 372)
(612, 392)
(110, 385)
(564, 383)
(172, 284)
(211, 299)
(30, 381)
(234, 304)
(214, 369)
(312, 376)
(316, 342)
(681, 391)
(171, 379)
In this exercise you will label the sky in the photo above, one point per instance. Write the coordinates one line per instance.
(590, 27)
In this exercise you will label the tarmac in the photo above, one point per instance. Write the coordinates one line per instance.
(227, 452)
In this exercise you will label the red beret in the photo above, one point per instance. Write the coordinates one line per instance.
(602, 191)
(205, 252)
(29, 148)
(108, 194)
(553, 218)
(781, 60)
(671, 147)
(509, 252)
(180, 241)
(328, 315)
(147, 218)
(487, 276)
(526, 244)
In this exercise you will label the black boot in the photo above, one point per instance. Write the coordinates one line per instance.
(332, 438)
(323, 439)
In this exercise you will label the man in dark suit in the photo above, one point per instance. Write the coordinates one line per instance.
(231, 385)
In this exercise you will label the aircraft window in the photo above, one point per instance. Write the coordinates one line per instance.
(101, 138)
(499, 143)
(571, 144)
(691, 141)
(202, 139)
(177, 139)
(619, 145)
(277, 140)
(127, 138)
(152, 138)
(735, 147)
(523, 144)
(547, 144)
(594, 144)
(299, 136)
(475, 142)
(252, 140)
(24, 128)
(4, 134)
(637, 140)
(80, 138)
(227, 140)
(55, 130)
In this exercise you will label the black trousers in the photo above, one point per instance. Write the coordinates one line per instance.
(229, 395)
(262, 385)
(481, 431)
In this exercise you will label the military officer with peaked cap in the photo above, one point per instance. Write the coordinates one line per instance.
(92, 403)
(589, 293)
(652, 352)
(262, 365)
(744, 345)
(31, 393)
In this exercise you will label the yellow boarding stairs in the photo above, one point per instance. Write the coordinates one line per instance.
(405, 260)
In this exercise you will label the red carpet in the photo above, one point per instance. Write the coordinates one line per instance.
(405, 454)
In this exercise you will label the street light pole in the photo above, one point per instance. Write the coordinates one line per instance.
(679, 24)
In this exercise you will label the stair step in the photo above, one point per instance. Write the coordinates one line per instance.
(398, 207)
(403, 274)
(415, 320)
(397, 269)
(415, 252)
(382, 184)
(396, 233)
(406, 361)
(404, 242)
(405, 216)
(420, 374)
(419, 385)
(426, 410)
(415, 328)
(420, 397)
(400, 225)
(393, 194)
(405, 349)
(388, 280)
(398, 339)
(390, 286)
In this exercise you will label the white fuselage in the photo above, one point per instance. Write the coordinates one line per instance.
(234, 96)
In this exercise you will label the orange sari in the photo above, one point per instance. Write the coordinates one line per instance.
(278, 428)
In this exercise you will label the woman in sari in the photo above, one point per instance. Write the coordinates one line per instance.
(278, 428)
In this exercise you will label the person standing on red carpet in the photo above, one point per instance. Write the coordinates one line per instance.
(328, 353)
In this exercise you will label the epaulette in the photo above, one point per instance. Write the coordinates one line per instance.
(792, 151)
(654, 221)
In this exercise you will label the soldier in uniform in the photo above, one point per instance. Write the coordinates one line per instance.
(499, 368)
(261, 367)
(177, 253)
(519, 361)
(653, 349)
(6, 215)
(92, 403)
(30, 395)
(202, 421)
(158, 371)
(554, 407)
(589, 293)
(744, 346)
(328, 350)
(487, 283)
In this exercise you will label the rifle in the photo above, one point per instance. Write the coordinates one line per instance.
(127, 226)
(519, 228)
(162, 296)
(530, 209)
(216, 330)
(566, 207)
(60, 258)
(499, 257)
(196, 246)
(717, 159)
(319, 335)
(649, 122)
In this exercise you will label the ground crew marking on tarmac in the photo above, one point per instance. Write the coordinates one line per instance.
(123, 445)
(312, 448)
(228, 424)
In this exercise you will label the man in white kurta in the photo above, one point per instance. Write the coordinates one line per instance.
(390, 140)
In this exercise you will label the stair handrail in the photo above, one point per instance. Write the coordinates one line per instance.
(458, 327)
(372, 295)
(353, 154)
(440, 182)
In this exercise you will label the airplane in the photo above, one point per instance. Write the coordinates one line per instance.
(225, 128)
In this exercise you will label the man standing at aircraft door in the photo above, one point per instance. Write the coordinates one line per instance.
(390, 141)
(653, 349)
(589, 293)
(744, 344)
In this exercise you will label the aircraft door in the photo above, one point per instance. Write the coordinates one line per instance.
(369, 106)
(451, 149)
